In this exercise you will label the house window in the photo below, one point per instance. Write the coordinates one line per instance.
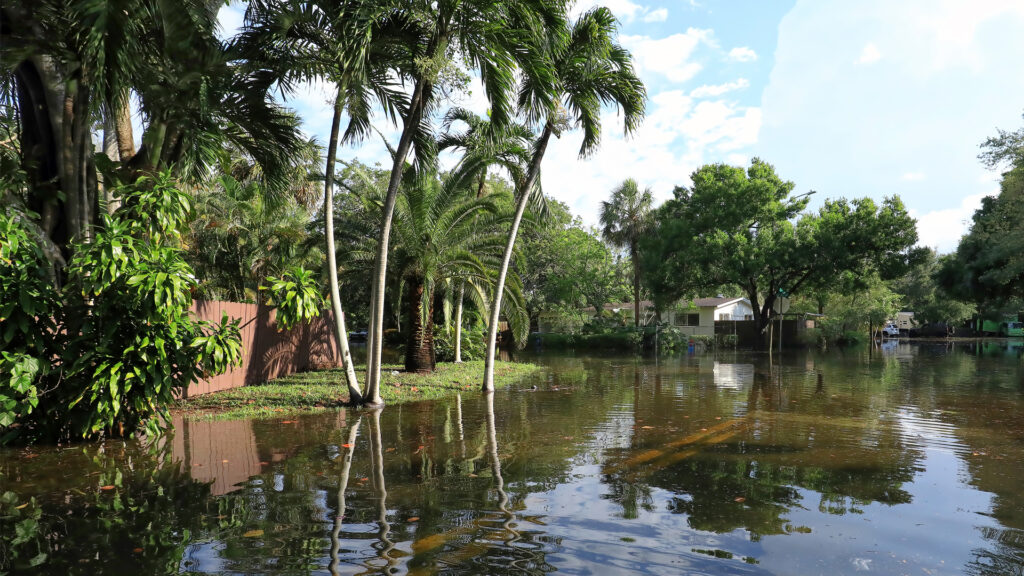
(688, 319)
(748, 316)
(725, 316)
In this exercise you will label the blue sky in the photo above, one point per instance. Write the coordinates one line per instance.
(850, 99)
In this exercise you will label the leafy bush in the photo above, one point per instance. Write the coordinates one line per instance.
(118, 338)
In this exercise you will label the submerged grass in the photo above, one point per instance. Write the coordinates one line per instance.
(325, 390)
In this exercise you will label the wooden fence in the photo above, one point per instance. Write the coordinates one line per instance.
(266, 352)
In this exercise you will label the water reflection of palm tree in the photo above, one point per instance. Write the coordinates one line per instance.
(348, 449)
(385, 546)
(492, 455)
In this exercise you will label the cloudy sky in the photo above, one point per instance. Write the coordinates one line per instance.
(867, 98)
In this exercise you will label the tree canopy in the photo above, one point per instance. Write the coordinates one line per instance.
(746, 228)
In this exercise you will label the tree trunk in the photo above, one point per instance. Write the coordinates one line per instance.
(355, 395)
(110, 151)
(419, 349)
(123, 127)
(636, 285)
(458, 324)
(524, 198)
(380, 268)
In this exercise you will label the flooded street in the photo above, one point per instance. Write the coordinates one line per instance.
(907, 460)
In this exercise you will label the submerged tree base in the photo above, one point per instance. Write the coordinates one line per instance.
(325, 390)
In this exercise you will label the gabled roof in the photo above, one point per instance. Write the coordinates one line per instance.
(717, 301)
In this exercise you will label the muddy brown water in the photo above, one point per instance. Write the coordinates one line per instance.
(903, 460)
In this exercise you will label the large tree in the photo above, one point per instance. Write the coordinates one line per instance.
(68, 63)
(989, 264)
(624, 220)
(591, 70)
(745, 228)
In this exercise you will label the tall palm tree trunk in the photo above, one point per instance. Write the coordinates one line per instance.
(355, 395)
(458, 323)
(636, 285)
(524, 198)
(419, 349)
(376, 339)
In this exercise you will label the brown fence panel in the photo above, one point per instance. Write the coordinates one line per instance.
(266, 352)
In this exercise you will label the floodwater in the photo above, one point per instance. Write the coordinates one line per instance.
(904, 460)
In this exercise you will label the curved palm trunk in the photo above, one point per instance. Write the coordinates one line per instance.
(458, 324)
(355, 395)
(524, 198)
(419, 350)
(376, 338)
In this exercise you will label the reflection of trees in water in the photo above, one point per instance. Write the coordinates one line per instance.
(113, 518)
(1004, 557)
(737, 460)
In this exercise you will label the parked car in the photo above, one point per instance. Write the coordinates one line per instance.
(891, 330)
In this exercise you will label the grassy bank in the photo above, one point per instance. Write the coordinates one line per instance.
(324, 390)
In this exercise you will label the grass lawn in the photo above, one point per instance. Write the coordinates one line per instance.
(325, 390)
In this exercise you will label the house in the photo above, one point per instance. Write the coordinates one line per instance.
(698, 317)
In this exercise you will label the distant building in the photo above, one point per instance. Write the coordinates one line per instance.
(698, 317)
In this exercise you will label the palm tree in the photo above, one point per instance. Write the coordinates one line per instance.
(72, 61)
(624, 219)
(351, 44)
(443, 234)
(483, 145)
(489, 36)
(591, 70)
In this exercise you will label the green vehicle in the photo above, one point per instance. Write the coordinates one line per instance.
(1002, 328)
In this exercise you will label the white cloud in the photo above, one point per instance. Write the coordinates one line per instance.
(659, 15)
(854, 131)
(678, 136)
(942, 229)
(869, 54)
(625, 10)
(719, 89)
(742, 54)
(669, 56)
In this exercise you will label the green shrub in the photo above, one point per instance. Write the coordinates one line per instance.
(474, 344)
(118, 339)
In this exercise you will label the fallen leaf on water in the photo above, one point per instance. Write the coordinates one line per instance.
(264, 463)
(739, 499)
(224, 461)
(107, 487)
(718, 417)
(363, 479)
(472, 475)
(414, 519)
(253, 534)
(392, 449)
(20, 507)
(137, 550)
(646, 427)
(703, 429)
(346, 445)
(287, 421)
